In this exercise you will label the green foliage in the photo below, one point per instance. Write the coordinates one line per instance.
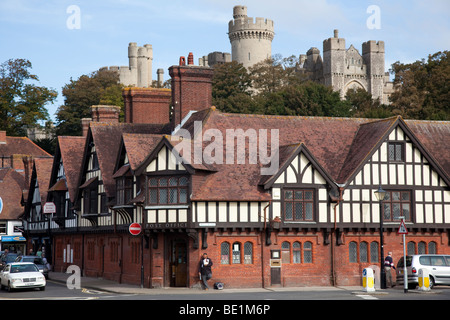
(22, 104)
(100, 87)
(423, 88)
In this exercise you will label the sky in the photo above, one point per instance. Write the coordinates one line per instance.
(68, 38)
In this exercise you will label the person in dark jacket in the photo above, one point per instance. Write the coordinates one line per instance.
(388, 264)
(204, 270)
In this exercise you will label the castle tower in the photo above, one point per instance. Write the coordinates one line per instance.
(251, 41)
(373, 56)
(334, 62)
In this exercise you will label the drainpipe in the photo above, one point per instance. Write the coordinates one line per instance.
(333, 271)
(262, 246)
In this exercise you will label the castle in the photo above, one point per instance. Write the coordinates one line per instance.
(251, 42)
(344, 69)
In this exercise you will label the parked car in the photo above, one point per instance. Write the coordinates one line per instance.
(19, 275)
(438, 265)
(10, 257)
(37, 261)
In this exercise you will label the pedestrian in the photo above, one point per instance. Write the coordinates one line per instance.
(31, 252)
(388, 264)
(204, 270)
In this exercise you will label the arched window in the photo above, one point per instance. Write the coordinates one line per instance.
(286, 252)
(353, 252)
(411, 248)
(225, 253)
(363, 252)
(432, 248)
(307, 252)
(421, 248)
(236, 253)
(296, 252)
(248, 253)
(374, 251)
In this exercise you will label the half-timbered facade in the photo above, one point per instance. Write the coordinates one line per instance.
(273, 200)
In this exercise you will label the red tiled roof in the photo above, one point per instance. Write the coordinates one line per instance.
(12, 185)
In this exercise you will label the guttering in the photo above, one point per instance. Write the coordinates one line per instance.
(333, 271)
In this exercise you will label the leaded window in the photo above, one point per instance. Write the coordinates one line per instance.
(363, 252)
(236, 253)
(298, 205)
(353, 252)
(168, 190)
(374, 251)
(396, 151)
(225, 253)
(307, 252)
(285, 252)
(296, 252)
(248, 253)
(397, 204)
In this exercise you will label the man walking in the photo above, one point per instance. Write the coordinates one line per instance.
(204, 270)
(388, 264)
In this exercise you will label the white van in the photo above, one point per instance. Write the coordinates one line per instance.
(438, 266)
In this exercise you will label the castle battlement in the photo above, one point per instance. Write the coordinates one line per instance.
(373, 46)
(251, 38)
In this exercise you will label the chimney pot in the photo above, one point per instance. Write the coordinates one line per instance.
(190, 59)
(182, 61)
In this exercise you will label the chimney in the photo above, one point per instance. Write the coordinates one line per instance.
(103, 113)
(190, 59)
(2, 137)
(147, 105)
(85, 125)
(191, 89)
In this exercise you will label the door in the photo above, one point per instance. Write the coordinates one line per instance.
(439, 269)
(178, 263)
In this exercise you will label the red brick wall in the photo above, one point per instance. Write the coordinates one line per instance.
(147, 105)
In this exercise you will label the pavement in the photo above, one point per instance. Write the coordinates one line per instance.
(105, 285)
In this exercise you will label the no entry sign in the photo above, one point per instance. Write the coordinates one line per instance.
(135, 228)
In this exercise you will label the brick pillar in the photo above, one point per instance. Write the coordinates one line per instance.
(191, 90)
(147, 105)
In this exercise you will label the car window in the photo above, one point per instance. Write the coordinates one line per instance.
(6, 269)
(408, 262)
(16, 268)
(448, 260)
(437, 261)
(425, 261)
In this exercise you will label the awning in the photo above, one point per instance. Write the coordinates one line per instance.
(60, 185)
(89, 182)
(12, 238)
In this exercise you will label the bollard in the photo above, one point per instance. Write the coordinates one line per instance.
(424, 280)
(368, 283)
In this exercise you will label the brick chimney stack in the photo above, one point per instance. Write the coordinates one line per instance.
(147, 105)
(2, 137)
(191, 88)
(104, 113)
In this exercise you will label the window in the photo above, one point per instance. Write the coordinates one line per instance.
(410, 248)
(432, 247)
(397, 204)
(124, 187)
(396, 151)
(3, 227)
(248, 253)
(374, 251)
(286, 252)
(173, 190)
(236, 253)
(363, 252)
(225, 253)
(90, 200)
(307, 252)
(422, 248)
(299, 205)
(297, 252)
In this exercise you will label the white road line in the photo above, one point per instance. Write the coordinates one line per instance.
(367, 297)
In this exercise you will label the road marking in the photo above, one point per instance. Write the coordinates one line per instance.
(367, 297)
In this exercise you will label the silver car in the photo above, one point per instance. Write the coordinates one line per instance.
(438, 266)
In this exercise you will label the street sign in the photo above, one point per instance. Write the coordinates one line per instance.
(402, 229)
(135, 228)
(49, 208)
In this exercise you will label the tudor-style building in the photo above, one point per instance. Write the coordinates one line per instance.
(202, 183)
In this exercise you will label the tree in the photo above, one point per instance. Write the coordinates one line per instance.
(100, 87)
(423, 88)
(22, 104)
(231, 88)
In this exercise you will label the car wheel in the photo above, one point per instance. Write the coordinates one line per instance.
(9, 288)
(431, 282)
(42, 288)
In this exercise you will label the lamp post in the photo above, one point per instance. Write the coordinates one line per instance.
(381, 194)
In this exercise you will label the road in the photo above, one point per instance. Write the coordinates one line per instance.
(59, 291)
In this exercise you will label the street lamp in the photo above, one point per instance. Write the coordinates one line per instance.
(381, 194)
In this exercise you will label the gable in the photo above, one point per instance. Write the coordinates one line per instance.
(400, 160)
(164, 160)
